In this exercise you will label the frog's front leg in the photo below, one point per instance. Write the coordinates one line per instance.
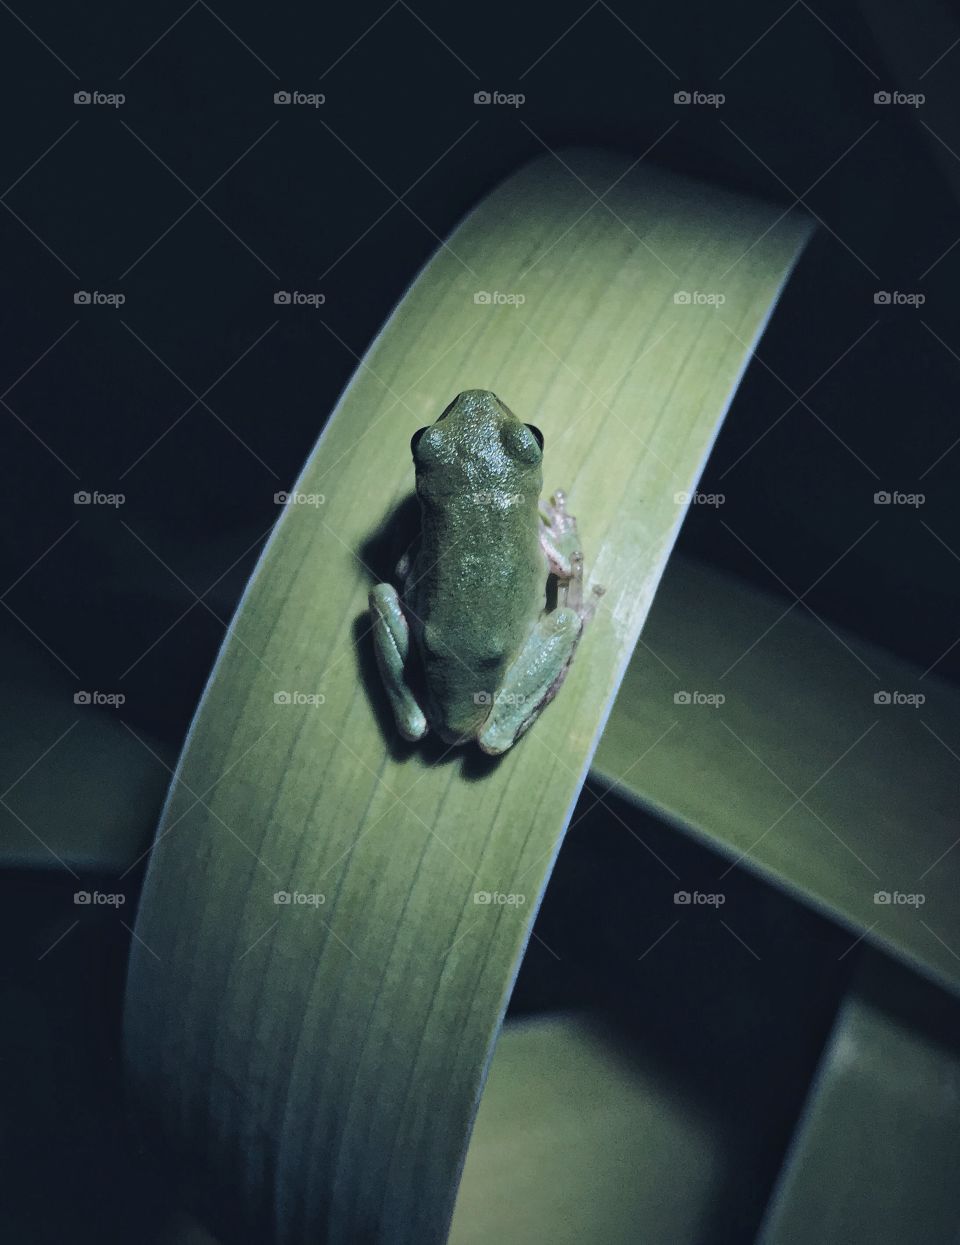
(533, 679)
(560, 542)
(391, 642)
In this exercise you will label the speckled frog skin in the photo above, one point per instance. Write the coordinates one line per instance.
(471, 612)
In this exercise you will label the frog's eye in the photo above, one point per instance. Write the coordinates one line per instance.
(521, 442)
(537, 433)
(415, 440)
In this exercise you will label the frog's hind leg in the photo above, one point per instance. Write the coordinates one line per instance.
(533, 679)
(391, 643)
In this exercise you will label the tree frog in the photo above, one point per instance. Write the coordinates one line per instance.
(472, 645)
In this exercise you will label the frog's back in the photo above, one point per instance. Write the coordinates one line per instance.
(476, 586)
(480, 560)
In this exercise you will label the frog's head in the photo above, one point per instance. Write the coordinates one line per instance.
(477, 439)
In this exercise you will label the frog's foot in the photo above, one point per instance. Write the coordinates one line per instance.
(391, 643)
(560, 542)
(533, 679)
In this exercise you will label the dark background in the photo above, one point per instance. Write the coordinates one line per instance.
(200, 398)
